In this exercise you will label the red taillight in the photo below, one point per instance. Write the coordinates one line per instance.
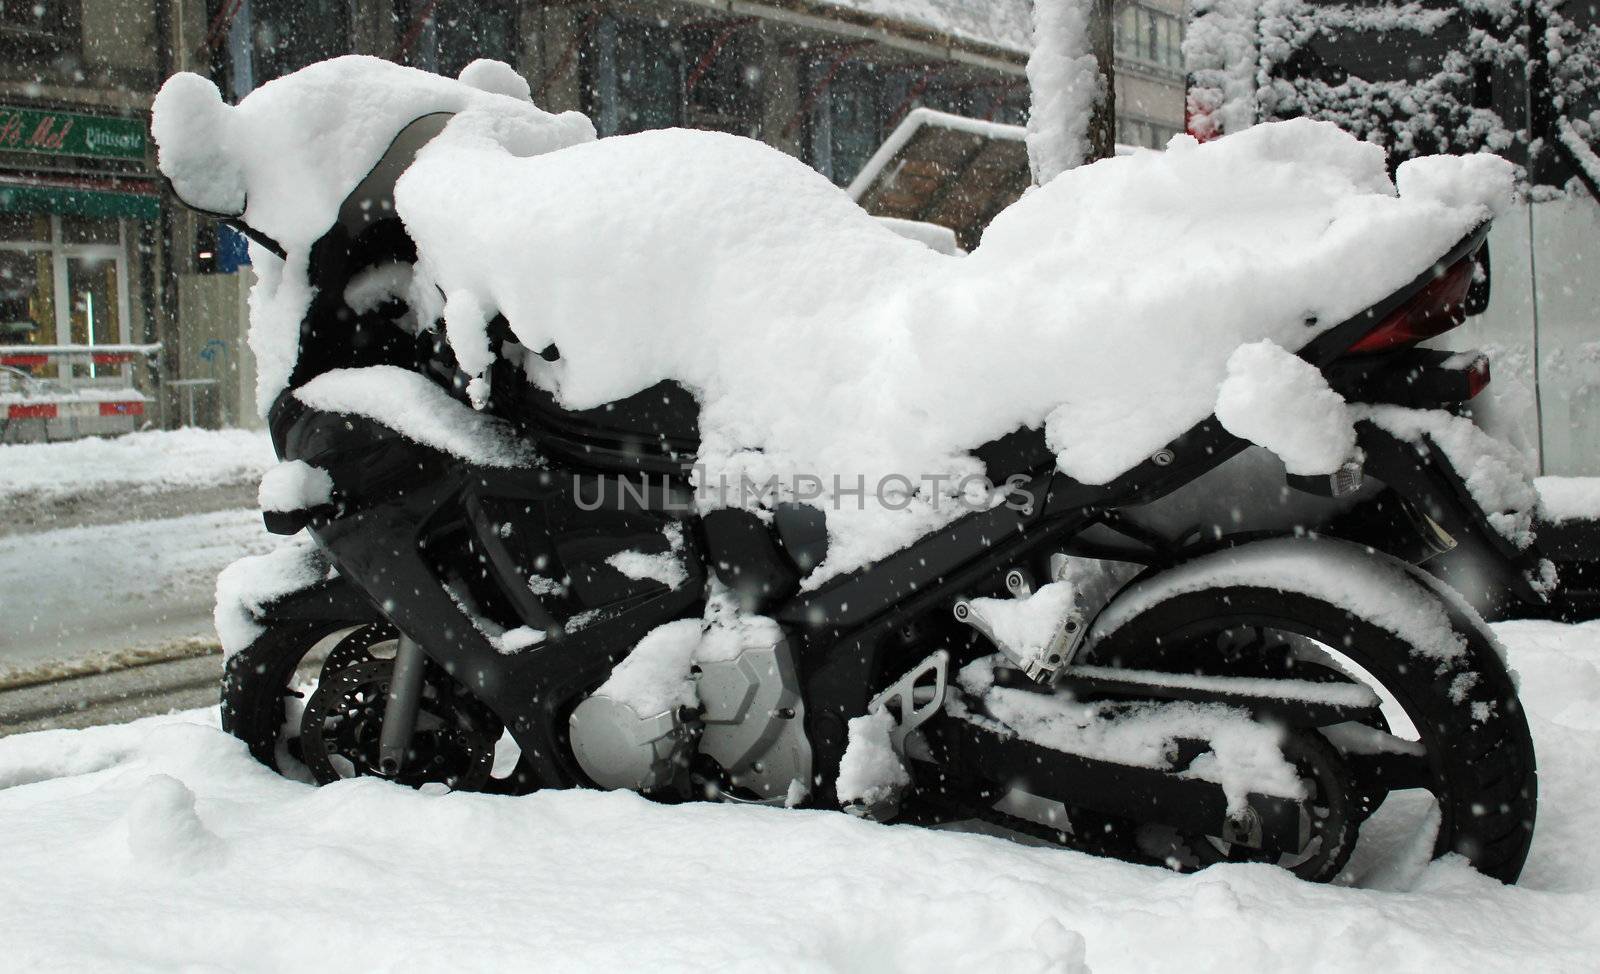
(1437, 308)
(1477, 376)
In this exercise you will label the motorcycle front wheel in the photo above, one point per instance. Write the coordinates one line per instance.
(308, 699)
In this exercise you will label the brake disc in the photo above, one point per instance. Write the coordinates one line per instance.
(340, 729)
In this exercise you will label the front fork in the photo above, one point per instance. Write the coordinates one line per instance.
(401, 705)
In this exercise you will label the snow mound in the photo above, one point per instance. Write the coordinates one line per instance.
(290, 152)
(415, 407)
(148, 462)
(1279, 401)
(294, 485)
(1103, 306)
(246, 587)
(763, 888)
(162, 831)
(1569, 498)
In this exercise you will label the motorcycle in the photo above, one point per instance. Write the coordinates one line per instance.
(464, 621)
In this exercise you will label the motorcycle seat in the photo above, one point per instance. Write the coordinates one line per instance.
(657, 430)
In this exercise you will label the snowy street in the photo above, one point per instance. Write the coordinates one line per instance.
(161, 844)
(109, 549)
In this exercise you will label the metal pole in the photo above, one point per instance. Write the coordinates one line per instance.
(400, 708)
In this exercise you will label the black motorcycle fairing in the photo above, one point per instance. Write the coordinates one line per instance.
(415, 531)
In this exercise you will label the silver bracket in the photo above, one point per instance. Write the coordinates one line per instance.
(915, 698)
(1042, 668)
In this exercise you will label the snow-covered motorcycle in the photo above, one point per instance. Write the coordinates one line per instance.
(1162, 455)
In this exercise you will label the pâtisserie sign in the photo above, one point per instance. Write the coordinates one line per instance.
(70, 134)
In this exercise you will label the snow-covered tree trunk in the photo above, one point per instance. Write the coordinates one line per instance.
(1072, 117)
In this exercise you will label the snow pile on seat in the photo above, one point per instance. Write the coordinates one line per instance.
(1280, 401)
(290, 152)
(1103, 306)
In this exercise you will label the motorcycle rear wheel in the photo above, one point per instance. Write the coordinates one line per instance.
(1479, 760)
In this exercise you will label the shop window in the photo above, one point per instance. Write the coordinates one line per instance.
(27, 299)
(84, 229)
(649, 69)
(63, 281)
(1142, 133)
(290, 34)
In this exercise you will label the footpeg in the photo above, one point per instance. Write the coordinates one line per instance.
(902, 697)
(1040, 628)
(908, 703)
(1013, 625)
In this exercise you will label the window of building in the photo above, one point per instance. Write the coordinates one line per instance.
(635, 76)
(40, 30)
(444, 36)
(722, 83)
(63, 281)
(993, 101)
(1144, 133)
(847, 117)
(1150, 37)
(271, 38)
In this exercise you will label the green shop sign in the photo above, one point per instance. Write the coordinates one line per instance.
(70, 134)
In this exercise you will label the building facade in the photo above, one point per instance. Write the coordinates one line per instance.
(92, 252)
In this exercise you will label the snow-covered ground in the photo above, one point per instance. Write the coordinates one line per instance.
(75, 593)
(161, 844)
(111, 546)
(149, 462)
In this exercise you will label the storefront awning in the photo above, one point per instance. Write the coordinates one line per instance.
(947, 169)
(20, 197)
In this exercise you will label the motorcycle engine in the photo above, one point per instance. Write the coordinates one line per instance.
(751, 723)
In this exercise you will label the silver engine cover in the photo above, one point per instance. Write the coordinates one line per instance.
(620, 749)
(752, 723)
(755, 722)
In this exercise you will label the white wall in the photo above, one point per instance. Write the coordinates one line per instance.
(1548, 296)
